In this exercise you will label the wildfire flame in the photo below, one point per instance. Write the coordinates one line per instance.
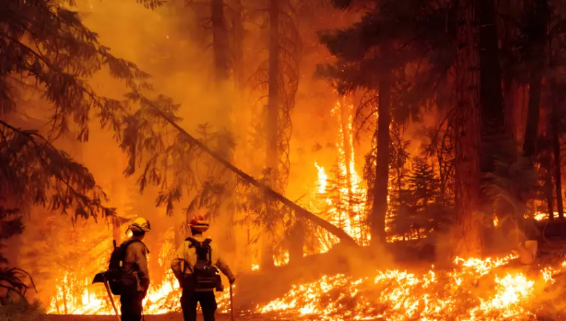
(429, 294)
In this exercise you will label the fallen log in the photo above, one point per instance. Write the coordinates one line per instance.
(338, 232)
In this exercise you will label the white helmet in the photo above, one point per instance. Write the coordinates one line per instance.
(140, 224)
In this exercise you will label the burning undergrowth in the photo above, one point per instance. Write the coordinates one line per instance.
(473, 289)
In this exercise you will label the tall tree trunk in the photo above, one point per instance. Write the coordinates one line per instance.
(468, 133)
(380, 186)
(219, 41)
(239, 64)
(558, 174)
(345, 119)
(537, 58)
(224, 114)
(547, 164)
(272, 117)
(509, 85)
(491, 99)
(296, 242)
(556, 147)
(509, 93)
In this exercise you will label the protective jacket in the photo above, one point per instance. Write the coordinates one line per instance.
(135, 263)
(186, 258)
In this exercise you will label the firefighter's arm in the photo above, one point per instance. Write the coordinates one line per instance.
(178, 261)
(222, 265)
(143, 272)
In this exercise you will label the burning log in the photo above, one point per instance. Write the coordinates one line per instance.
(339, 233)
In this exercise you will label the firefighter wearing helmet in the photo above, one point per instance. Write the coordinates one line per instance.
(135, 268)
(196, 267)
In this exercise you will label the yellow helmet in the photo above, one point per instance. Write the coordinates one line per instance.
(140, 224)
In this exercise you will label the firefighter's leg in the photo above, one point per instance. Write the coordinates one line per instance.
(189, 302)
(208, 305)
(131, 306)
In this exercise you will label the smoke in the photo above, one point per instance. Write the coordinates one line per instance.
(173, 44)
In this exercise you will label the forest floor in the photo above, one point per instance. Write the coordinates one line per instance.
(163, 317)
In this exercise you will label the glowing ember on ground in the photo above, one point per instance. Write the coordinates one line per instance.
(400, 295)
(391, 294)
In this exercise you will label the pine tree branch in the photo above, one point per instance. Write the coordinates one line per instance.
(93, 205)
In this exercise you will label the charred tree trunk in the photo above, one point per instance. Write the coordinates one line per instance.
(557, 173)
(219, 41)
(272, 155)
(224, 110)
(509, 94)
(491, 99)
(238, 63)
(547, 164)
(380, 186)
(468, 133)
(296, 242)
(537, 58)
(556, 148)
(493, 131)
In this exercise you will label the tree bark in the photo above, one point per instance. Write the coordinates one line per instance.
(219, 41)
(272, 127)
(537, 54)
(492, 111)
(549, 191)
(556, 147)
(468, 236)
(380, 186)
(555, 121)
(296, 242)
(224, 114)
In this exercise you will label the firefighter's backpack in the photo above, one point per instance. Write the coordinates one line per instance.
(205, 275)
(117, 278)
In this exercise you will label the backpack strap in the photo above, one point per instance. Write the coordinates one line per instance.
(205, 244)
(130, 242)
(194, 242)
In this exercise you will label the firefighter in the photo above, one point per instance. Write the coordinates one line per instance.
(135, 268)
(196, 257)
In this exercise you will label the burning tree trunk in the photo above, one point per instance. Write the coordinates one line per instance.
(468, 126)
(537, 56)
(380, 186)
(344, 123)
